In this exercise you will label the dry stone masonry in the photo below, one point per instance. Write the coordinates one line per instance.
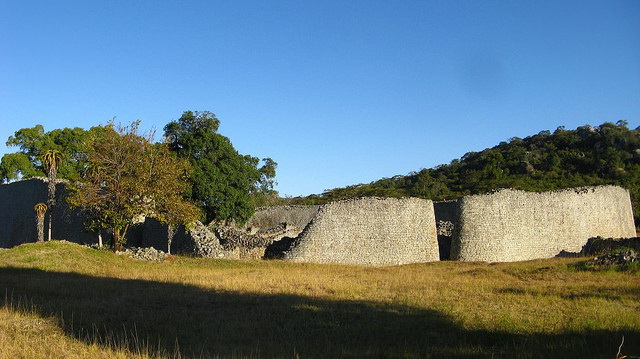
(18, 218)
(512, 225)
(507, 225)
(291, 220)
(369, 231)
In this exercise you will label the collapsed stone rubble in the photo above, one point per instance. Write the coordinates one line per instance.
(619, 258)
(145, 254)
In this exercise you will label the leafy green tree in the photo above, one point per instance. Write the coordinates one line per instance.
(15, 166)
(263, 193)
(222, 180)
(176, 210)
(34, 142)
(129, 177)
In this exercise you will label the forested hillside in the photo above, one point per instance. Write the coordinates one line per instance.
(586, 156)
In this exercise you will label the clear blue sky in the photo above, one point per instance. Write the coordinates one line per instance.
(337, 92)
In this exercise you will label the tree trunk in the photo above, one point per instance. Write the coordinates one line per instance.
(171, 232)
(118, 238)
(50, 220)
(117, 242)
(40, 225)
(51, 202)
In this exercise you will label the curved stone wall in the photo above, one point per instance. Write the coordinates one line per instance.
(18, 218)
(369, 231)
(512, 225)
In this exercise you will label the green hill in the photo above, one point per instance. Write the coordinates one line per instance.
(586, 156)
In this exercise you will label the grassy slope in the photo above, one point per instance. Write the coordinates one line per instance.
(64, 300)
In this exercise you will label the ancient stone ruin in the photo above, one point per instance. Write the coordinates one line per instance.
(18, 218)
(290, 219)
(507, 225)
(369, 231)
(511, 225)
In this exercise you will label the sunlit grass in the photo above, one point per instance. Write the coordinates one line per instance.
(95, 302)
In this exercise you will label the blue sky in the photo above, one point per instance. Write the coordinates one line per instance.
(337, 92)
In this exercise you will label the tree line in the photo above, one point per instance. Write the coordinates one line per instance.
(115, 173)
(586, 156)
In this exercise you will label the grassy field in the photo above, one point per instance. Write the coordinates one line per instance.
(62, 300)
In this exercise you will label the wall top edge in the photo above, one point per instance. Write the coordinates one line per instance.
(570, 190)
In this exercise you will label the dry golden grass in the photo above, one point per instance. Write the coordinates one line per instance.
(64, 300)
(24, 334)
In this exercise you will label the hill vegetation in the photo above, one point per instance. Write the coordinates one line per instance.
(586, 156)
(66, 300)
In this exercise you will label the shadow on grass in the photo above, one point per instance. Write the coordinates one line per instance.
(189, 322)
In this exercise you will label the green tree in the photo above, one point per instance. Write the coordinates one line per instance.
(15, 166)
(129, 177)
(176, 210)
(222, 180)
(34, 142)
(263, 194)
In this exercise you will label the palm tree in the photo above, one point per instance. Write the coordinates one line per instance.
(51, 162)
(40, 209)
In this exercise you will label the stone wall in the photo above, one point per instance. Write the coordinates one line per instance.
(512, 225)
(18, 218)
(155, 234)
(369, 231)
(507, 225)
(292, 217)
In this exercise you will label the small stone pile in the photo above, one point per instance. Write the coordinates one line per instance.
(145, 254)
(619, 258)
(445, 228)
